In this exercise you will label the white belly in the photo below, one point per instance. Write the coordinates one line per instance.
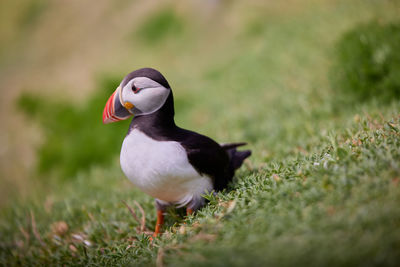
(161, 169)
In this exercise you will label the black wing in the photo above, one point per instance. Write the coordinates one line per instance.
(207, 157)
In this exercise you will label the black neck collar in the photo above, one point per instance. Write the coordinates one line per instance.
(157, 122)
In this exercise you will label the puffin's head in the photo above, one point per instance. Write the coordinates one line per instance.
(141, 92)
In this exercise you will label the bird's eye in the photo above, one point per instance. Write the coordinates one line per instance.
(135, 89)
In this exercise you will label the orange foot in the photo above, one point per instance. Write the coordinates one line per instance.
(159, 224)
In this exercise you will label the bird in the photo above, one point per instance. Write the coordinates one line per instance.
(173, 165)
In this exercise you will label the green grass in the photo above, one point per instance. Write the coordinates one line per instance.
(321, 188)
(71, 143)
(368, 62)
(159, 26)
(33, 11)
(336, 204)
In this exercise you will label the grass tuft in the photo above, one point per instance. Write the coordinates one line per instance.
(368, 62)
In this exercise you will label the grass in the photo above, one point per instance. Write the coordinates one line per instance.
(336, 204)
(159, 26)
(320, 189)
(368, 62)
(65, 150)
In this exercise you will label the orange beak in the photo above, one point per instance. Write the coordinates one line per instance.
(114, 111)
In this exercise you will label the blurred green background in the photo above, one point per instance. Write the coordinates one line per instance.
(281, 75)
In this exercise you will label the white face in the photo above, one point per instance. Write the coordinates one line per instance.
(149, 97)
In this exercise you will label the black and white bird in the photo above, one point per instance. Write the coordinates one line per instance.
(171, 164)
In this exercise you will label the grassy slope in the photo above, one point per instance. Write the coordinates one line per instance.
(321, 187)
(338, 204)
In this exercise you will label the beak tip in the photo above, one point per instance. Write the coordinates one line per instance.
(106, 121)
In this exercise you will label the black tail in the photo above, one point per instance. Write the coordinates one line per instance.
(236, 157)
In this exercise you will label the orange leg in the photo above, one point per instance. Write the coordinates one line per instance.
(159, 223)
(189, 211)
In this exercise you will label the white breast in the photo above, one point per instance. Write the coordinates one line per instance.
(161, 169)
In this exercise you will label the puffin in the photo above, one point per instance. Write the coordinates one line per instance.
(173, 165)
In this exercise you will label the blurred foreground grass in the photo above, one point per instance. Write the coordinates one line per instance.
(320, 189)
